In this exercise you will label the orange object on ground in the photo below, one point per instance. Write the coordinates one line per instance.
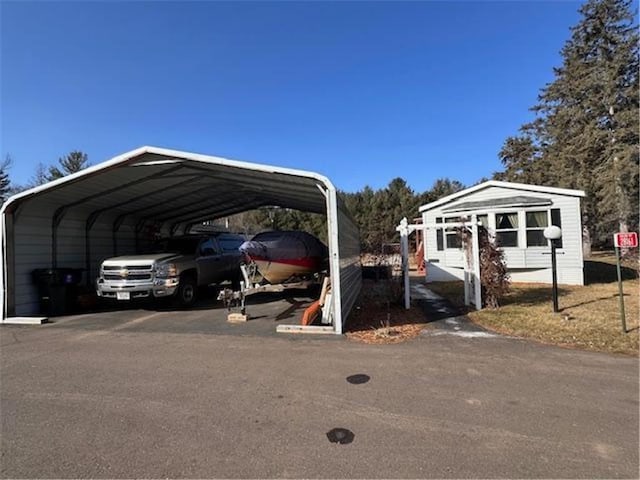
(310, 313)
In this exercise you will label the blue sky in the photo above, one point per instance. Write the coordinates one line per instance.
(360, 91)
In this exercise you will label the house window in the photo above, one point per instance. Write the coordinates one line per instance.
(555, 220)
(507, 229)
(536, 223)
(439, 236)
(484, 220)
(451, 234)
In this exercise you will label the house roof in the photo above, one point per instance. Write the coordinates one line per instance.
(496, 183)
(517, 201)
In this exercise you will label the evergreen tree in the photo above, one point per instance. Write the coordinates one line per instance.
(39, 177)
(5, 182)
(378, 212)
(443, 187)
(585, 135)
(520, 157)
(71, 163)
(360, 205)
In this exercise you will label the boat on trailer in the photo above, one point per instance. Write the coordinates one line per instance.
(284, 255)
(276, 261)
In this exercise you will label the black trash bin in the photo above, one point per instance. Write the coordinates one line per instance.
(57, 289)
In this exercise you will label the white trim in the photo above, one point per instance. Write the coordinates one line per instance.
(87, 171)
(3, 274)
(24, 320)
(580, 242)
(334, 260)
(497, 183)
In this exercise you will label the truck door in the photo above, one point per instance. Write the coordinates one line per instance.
(209, 262)
(229, 246)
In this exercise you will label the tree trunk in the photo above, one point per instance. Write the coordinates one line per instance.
(623, 227)
(586, 242)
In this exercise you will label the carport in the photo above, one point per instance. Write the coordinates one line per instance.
(113, 207)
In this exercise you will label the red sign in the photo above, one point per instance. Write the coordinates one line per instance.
(625, 240)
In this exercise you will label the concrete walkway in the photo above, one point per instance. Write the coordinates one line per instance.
(443, 317)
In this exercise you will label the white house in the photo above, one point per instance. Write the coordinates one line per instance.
(516, 215)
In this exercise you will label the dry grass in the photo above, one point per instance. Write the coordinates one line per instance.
(589, 316)
(378, 318)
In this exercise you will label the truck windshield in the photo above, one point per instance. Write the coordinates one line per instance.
(182, 245)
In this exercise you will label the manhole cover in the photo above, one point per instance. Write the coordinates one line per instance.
(358, 378)
(340, 435)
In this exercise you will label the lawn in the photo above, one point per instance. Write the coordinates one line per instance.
(589, 315)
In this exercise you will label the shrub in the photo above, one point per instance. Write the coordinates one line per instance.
(494, 278)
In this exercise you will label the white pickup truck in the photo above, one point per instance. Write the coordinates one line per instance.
(176, 268)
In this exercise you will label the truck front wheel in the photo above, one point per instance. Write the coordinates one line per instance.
(187, 292)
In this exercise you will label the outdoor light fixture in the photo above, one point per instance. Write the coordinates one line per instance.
(553, 234)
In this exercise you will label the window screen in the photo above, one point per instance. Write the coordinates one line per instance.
(507, 229)
(453, 239)
(536, 223)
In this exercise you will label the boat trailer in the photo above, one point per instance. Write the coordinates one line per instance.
(236, 299)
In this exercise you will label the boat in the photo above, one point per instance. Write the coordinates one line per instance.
(281, 256)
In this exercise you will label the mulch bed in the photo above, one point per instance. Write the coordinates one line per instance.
(373, 322)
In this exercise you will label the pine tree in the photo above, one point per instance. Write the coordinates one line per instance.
(360, 205)
(585, 135)
(39, 177)
(5, 182)
(71, 163)
(443, 187)
(521, 159)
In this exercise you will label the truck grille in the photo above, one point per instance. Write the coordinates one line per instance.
(129, 276)
(131, 268)
(127, 272)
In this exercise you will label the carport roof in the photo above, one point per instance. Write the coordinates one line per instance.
(178, 187)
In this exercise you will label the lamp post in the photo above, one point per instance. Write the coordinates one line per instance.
(553, 234)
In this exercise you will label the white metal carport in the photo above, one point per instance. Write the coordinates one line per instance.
(103, 211)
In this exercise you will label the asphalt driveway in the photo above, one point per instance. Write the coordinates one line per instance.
(208, 316)
(136, 398)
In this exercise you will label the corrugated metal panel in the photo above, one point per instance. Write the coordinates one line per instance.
(350, 269)
(344, 253)
(158, 187)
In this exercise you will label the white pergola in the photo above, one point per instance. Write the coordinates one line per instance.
(472, 286)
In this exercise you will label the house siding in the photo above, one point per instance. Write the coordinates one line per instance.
(525, 264)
